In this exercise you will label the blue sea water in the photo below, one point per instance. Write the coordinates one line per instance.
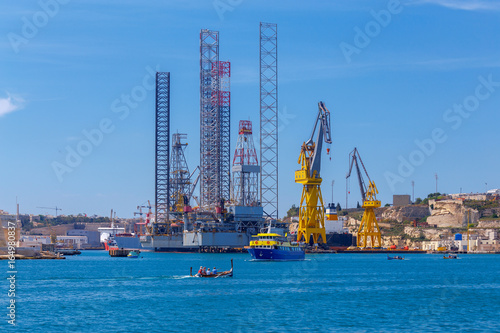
(325, 293)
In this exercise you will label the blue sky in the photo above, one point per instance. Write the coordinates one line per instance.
(391, 89)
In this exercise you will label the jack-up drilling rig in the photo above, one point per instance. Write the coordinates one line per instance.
(368, 230)
(311, 210)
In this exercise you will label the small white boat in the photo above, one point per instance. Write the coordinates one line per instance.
(134, 254)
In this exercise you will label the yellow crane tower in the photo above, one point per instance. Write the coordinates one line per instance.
(368, 230)
(311, 210)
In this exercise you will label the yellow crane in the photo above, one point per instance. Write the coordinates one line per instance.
(311, 210)
(368, 232)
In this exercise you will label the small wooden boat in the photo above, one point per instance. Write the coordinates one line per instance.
(228, 273)
(450, 256)
(395, 258)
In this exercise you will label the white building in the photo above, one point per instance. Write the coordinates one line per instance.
(476, 243)
(469, 196)
(75, 242)
(33, 241)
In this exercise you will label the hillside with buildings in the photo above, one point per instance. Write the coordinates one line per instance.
(439, 221)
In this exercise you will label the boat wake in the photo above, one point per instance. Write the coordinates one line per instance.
(163, 277)
(180, 277)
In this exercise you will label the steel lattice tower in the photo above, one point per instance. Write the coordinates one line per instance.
(209, 119)
(245, 168)
(180, 182)
(215, 107)
(162, 169)
(225, 130)
(269, 118)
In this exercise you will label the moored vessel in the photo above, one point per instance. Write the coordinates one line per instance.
(110, 243)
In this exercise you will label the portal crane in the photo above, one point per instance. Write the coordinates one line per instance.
(311, 210)
(138, 226)
(140, 213)
(368, 230)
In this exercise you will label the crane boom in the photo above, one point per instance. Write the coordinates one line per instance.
(324, 133)
(54, 208)
(193, 187)
(353, 158)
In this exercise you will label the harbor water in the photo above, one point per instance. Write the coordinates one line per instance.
(326, 293)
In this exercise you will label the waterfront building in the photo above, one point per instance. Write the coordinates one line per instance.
(458, 242)
(93, 237)
(35, 241)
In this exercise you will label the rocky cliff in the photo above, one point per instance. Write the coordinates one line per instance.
(450, 213)
(404, 213)
(388, 241)
(489, 224)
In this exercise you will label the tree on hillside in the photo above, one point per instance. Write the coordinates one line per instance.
(358, 205)
(418, 201)
(293, 211)
(338, 207)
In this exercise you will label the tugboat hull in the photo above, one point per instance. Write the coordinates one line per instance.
(276, 254)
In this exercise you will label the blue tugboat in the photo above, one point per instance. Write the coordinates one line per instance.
(272, 246)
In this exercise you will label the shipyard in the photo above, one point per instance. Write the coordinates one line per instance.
(250, 166)
(220, 205)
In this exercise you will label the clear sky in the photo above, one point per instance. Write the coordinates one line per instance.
(415, 85)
